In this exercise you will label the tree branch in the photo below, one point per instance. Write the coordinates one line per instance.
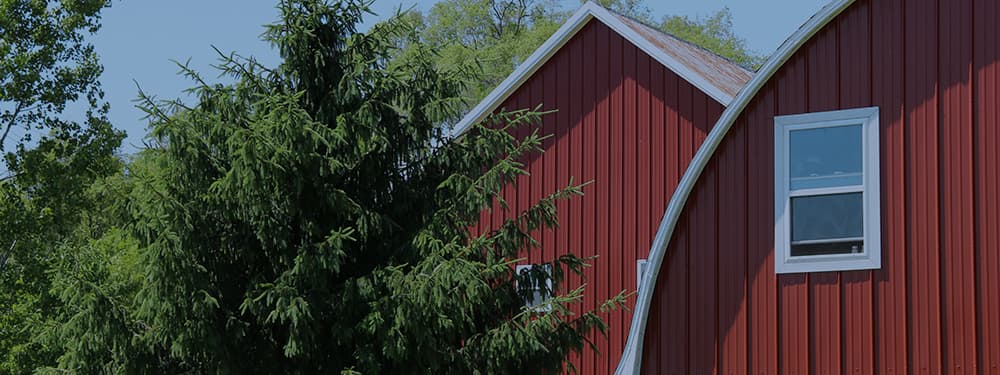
(500, 12)
(10, 124)
(3, 260)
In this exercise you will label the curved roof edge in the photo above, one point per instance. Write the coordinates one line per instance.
(632, 357)
(704, 81)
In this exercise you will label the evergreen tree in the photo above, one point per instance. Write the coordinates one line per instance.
(314, 218)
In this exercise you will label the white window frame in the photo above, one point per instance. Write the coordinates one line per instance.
(538, 305)
(871, 256)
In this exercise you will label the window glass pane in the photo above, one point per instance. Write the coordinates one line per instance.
(822, 217)
(825, 157)
(827, 248)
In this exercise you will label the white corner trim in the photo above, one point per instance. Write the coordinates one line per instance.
(558, 39)
(632, 357)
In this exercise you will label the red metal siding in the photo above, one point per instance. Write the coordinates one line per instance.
(630, 127)
(986, 186)
(931, 66)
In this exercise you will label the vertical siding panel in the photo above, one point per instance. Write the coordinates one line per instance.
(552, 86)
(732, 254)
(604, 182)
(575, 155)
(793, 288)
(824, 287)
(890, 290)
(714, 111)
(687, 142)
(657, 167)
(510, 191)
(536, 161)
(762, 299)
(657, 148)
(854, 68)
(673, 298)
(522, 184)
(704, 108)
(651, 351)
(564, 145)
(616, 199)
(590, 149)
(550, 128)
(498, 213)
(686, 128)
(626, 269)
(987, 188)
(958, 268)
(922, 186)
(643, 174)
(672, 137)
(821, 66)
(704, 335)
(674, 316)
(518, 196)
(675, 302)
(855, 91)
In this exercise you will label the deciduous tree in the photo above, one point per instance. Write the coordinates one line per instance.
(714, 33)
(45, 66)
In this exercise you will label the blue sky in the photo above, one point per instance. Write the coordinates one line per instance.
(141, 37)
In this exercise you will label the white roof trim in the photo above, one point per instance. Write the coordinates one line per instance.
(565, 32)
(632, 357)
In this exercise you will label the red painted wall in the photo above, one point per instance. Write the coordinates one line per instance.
(630, 126)
(932, 67)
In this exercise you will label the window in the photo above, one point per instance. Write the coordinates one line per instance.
(826, 196)
(534, 291)
(640, 272)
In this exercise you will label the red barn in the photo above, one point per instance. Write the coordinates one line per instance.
(836, 213)
(842, 215)
(634, 105)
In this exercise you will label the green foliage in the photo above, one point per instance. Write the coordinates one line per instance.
(636, 9)
(314, 217)
(714, 33)
(45, 63)
(498, 35)
(44, 203)
(495, 34)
